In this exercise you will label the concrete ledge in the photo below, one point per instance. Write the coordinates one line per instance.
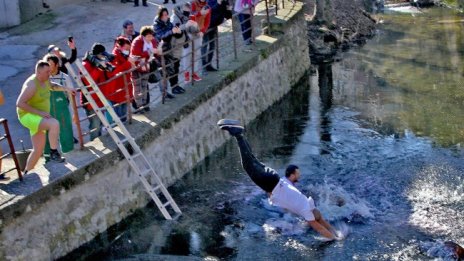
(96, 189)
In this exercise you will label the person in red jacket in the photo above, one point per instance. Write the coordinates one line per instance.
(143, 49)
(202, 13)
(97, 63)
(122, 62)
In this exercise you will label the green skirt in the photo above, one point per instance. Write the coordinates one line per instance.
(59, 109)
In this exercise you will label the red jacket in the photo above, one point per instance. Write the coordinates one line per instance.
(98, 76)
(122, 64)
(202, 20)
(137, 50)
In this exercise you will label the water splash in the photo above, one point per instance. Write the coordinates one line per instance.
(437, 198)
(287, 225)
(335, 203)
(437, 249)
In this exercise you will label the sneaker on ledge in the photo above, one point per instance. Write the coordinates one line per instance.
(187, 77)
(56, 157)
(196, 78)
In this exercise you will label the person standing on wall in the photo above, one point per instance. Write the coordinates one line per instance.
(33, 109)
(165, 31)
(142, 50)
(219, 12)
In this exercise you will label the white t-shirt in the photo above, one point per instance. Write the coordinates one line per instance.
(287, 196)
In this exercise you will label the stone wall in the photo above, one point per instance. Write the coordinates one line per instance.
(15, 12)
(9, 13)
(73, 210)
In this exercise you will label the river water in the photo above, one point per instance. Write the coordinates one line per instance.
(377, 136)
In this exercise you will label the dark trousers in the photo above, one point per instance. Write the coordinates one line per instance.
(264, 177)
(136, 2)
(245, 24)
(174, 78)
(209, 46)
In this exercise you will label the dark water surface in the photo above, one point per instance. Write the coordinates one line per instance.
(377, 137)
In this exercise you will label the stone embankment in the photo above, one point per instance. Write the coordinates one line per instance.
(337, 25)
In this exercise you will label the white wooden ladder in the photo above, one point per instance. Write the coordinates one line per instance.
(137, 160)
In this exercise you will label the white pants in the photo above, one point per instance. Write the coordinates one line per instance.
(186, 61)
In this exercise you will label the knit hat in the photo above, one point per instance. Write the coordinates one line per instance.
(98, 48)
(52, 47)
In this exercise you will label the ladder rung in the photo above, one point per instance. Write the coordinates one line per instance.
(167, 204)
(114, 124)
(135, 155)
(156, 188)
(122, 140)
(145, 172)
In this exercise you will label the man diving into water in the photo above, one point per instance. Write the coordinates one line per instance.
(281, 191)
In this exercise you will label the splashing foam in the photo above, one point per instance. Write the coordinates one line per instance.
(288, 225)
(437, 198)
(335, 203)
(437, 249)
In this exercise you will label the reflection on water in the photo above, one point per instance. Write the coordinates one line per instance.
(410, 76)
(399, 195)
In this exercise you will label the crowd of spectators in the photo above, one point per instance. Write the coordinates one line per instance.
(175, 50)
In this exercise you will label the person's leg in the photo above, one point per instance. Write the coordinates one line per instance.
(38, 143)
(186, 63)
(204, 49)
(173, 79)
(245, 24)
(264, 177)
(94, 124)
(197, 60)
(137, 83)
(53, 127)
(212, 46)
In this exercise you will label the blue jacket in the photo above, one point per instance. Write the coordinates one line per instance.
(163, 30)
(218, 12)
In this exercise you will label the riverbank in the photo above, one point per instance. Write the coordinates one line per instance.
(335, 26)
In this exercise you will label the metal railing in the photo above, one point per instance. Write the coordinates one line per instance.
(12, 153)
(226, 49)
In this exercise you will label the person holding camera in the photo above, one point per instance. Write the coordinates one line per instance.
(165, 31)
(53, 49)
(97, 62)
